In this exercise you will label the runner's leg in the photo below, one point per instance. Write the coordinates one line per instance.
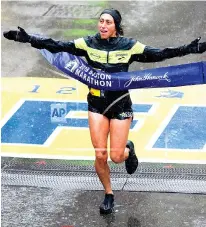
(99, 130)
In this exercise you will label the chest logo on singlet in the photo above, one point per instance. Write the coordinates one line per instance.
(95, 55)
(121, 56)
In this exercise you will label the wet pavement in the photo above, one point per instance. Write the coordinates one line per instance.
(157, 24)
(34, 206)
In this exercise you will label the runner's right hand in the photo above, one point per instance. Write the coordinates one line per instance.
(17, 35)
(195, 47)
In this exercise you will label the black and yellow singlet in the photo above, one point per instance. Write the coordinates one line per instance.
(109, 55)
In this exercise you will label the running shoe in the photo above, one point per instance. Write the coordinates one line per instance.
(107, 205)
(131, 163)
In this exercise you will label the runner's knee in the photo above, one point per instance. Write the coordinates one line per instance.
(117, 157)
(101, 155)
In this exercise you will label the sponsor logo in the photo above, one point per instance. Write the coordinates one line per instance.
(121, 56)
(95, 55)
(72, 65)
(126, 114)
(147, 77)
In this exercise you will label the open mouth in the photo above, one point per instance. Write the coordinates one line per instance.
(103, 31)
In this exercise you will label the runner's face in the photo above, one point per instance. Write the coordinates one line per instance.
(106, 26)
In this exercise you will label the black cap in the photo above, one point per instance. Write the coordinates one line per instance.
(116, 15)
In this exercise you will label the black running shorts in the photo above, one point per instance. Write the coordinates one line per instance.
(114, 105)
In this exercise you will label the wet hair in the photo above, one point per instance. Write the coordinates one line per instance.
(117, 19)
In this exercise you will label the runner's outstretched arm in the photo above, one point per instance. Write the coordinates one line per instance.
(43, 43)
(151, 54)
